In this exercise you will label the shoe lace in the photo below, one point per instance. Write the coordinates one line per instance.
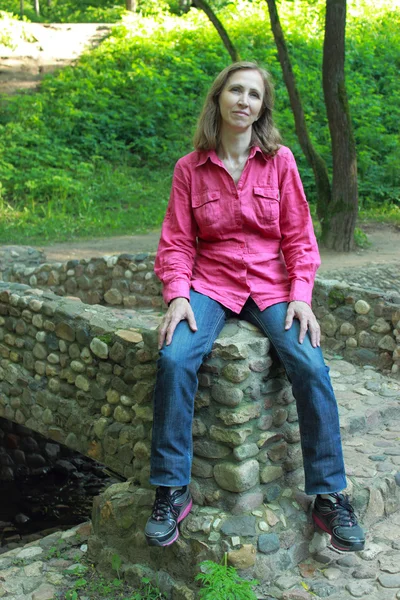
(163, 505)
(344, 511)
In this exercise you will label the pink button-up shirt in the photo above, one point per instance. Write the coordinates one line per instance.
(231, 241)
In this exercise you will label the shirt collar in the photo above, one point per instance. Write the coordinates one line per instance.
(211, 155)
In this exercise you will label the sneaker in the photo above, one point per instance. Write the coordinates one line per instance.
(168, 510)
(335, 515)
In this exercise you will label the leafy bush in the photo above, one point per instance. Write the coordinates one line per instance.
(95, 146)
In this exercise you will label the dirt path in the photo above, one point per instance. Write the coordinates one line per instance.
(384, 249)
(43, 48)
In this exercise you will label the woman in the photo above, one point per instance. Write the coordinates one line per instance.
(237, 240)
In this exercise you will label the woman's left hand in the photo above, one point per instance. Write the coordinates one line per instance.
(308, 322)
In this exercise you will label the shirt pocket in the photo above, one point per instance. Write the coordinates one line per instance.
(207, 207)
(266, 204)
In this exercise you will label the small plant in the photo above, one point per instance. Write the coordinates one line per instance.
(116, 563)
(361, 238)
(221, 581)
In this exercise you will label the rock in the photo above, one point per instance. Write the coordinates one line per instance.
(243, 558)
(232, 437)
(360, 589)
(348, 561)
(236, 373)
(329, 325)
(65, 332)
(362, 307)
(228, 349)
(240, 415)
(389, 581)
(226, 394)
(237, 478)
(270, 473)
(347, 329)
(268, 543)
(245, 451)
(365, 573)
(371, 552)
(44, 592)
(331, 573)
(387, 343)
(297, 594)
(243, 526)
(322, 589)
(209, 449)
(99, 348)
(318, 543)
(113, 297)
(27, 553)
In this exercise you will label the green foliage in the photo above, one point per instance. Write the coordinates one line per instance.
(92, 152)
(221, 581)
(361, 238)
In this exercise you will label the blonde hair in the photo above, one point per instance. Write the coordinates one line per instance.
(264, 133)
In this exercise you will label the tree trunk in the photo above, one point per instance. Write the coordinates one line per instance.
(131, 5)
(313, 158)
(49, 3)
(37, 7)
(21, 7)
(338, 230)
(223, 34)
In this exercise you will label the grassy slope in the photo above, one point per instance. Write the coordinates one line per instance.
(92, 152)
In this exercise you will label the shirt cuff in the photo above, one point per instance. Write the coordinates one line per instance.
(176, 289)
(300, 290)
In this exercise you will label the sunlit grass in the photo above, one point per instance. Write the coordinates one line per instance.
(118, 201)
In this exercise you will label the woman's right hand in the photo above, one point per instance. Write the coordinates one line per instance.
(178, 310)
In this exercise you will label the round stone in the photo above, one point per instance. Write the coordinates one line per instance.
(389, 581)
(362, 307)
(347, 329)
(99, 348)
(243, 558)
(360, 589)
(237, 477)
(268, 543)
(226, 394)
(236, 373)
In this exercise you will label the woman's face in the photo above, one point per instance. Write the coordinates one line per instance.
(241, 99)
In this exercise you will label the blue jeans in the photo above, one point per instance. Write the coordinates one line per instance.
(176, 387)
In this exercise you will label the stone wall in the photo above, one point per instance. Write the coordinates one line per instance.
(361, 325)
(83, 376)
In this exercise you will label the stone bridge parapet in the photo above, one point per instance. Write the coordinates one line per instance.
(360, 324)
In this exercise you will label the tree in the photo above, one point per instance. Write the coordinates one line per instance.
(315, 161)
(336, 207)
(223, 34)
(131, 5)
(21, 7)
(36, 7)
(343, 207)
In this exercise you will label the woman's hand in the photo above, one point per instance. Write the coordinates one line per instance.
(303, 312)
(178, 310)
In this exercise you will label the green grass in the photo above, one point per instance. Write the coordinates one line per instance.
(116, 201)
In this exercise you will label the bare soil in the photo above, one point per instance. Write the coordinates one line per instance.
(43, 48)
